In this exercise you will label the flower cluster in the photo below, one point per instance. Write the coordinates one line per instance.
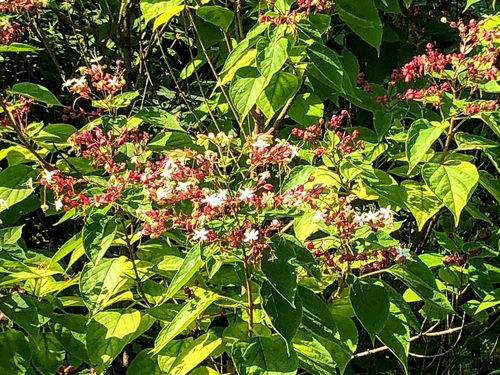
(304, 8)
(106, 83)
(19, 111)
(15, 6)
(9, 31)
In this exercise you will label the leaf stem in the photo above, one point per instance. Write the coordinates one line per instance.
(248, 286)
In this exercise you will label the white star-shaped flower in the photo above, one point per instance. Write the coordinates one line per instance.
(162, 193)
(59, 204)
(245, 194)
(47, 175)
(213, 200)
(260, 143)
(403, 252)
(294, 151)
(183, 185)
(251, 235)
(319, 216)
(200, 235)
(264, 175)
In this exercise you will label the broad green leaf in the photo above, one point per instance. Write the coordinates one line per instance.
(469, 3)
(167, 15)
(69, 246)
(245, 89)
(14, 185)
(397, 299)
(97, 284)
(107, 334)
(327, 68)
(71, 331)
(49, 353)
(421, 136)
(196, 353)
(382, 122)
(492, 119)
(22, 310)
(15, 352)
(453, 183)
(494, 155)
(158, 117)
(145, 363)
(36, 92)
(183, 319)
(417, 276)
(388, 6)
(189, 267)
(279, 269)
(362, 17)
(396, 335)
(123, 100)
(19, 47)
(284, 318)
(271, 55)
(155, 8)
(203, 370)
(314, 356)
(264, 356)
(239, 331)
(337, 334)
(467, 141)
(384, 185)
(98, 233)
(306, 109)
(216, 15)
(490, 183)
(370, 302)
(279, 90)
(420, 200)
(55, 133)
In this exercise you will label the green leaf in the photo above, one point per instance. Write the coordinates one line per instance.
(159, 117)
(421, 136)
(279, 269)
(362, 17)
(314, 356)
(98, 233)
(36, 92)
(107, 334)
(49, 353)
(124, 99)
(388, 6)
(245, 89)
(279, 90)
(55, 133)
(420, 200)
(155, 8)
(453, 183)
(195, 353)
(327, 68)
(370, 302)
(492, 119)
(467, 141)
(216, 15)
(183, 319)
(15, 352)
(14, 184)
(284, 318)
(382, 122)
(271, 55)
(398, 300)
(469, 3)
(306, 109)
(417, 276)
(145, 363)
(167, 15)
(71, 331)
(490, 183)
(396, 335)
(264, 356)
(22, 310)
(190, 265)
(19, 47)
(97, 284)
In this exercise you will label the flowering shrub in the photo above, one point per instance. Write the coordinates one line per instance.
(247, 180)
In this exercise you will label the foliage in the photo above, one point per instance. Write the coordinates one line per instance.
(252, 188)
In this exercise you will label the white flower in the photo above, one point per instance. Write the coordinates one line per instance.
(370, 216)
(246, 194)
(162, 193)
(134, 159)
(213, 200)
(387, 215)
(97, 59)
(29, 183)
(319, 216)
(294, 152)
(264, 175)
(47, 175)
(182, 186)
(403, 252)
(69, 82)
(223, 194)
(59, 204)
(200, 235)
(260, 143)
(3, 204)
(250, 236)
(359, 219)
